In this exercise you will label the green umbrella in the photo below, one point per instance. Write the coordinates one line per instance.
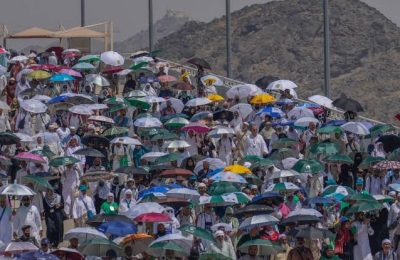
(218, 188)
(339, 158)
(63, 160)
(327, 148)
(329, 130)
(45, 152)
(99, 247)
(197, 232)
(369, 161)
(283, 153)
(384, 198)
(164, 136)
(365, 206)
(138, 103)
(83, 66)
(168, 158)
(395, 155)
(168, 117)
(118, 108)
(177, 122)
(38, 181)
(150, 132)
(251, 159)
(213, 256)
(252, 179)
(265, 247)
(308, 166)
(380, 129)
(226, 199)
(360, 197)
(284, 143)
(158, 249)
(114, 101)
(139, 65)
(264, 163)
(154, 53)
(89, 58)
(115, 131)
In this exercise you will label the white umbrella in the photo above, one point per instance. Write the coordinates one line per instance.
(355, 128)
(220, 131)
(152, 156)
(143, 208)
(177, 238)
(19, 58)
(4, 106)
(80, 110)
(143, 59)
(96, 106)
(97, 80)
(177, 104)
(183, 193)
(126, 140)
(83, 234)
(228, 177)
(299, 112)
(147, 122)
(305, 212)
(3, 70)
(216, 81)
(102, 119)
(243, 91)
(259, 221)
(322, 101)
(281, 85)
(112, 58)
(16, 190)
(283, 174)
(24, 137)
(213, 163)
(124, 72)
(99, 247)
(243, 109)
(136, 93)
(18, 247)
(305, 121)
(178, 144)
(282, 186)
(71, 50)
(198, 102)
(153, 99)
(34, 106)
(42, 98)
(289, 162)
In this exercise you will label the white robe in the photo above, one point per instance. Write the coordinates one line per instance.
(79, 210)
(70, 180)
(193, 150)
(225, 147)
(255, 145)
(125, 205)
(6, 228)
(28, 216)
(21, 173)
(4, 122)
(362, 250)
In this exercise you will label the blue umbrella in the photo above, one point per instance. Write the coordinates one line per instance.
(284, 101)
(37, 255)
(321, 200)
(288, 123)
(271, 111)
(145, 80)
(262, 198)
(201, 116)
(160, 189)
(58, 99)
(214, 172)
(308, 105)
(61, 78)
(335, 122)
(117, 228)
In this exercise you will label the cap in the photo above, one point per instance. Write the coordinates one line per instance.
(219, 233)
(201, 185)
(253, 187)
(44, 241)
(82, 187)
(72, 128)
(25, 227)
(282, 236)
(386, 241)
(110, 194)
(392, 193)
(128, 191)
(359, 181)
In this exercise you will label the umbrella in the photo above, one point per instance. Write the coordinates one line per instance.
(283, 174)
(138, 66)
(41, 183)
(89, 152)
(237, 168)
(305, 121)
(282, 187)
(83, 234)
(178, 144)
(89, 58)
(326, 147)
(281, 154)
(117, 228)
(322, 101)
(201, 116)
(347, 104)
(211, 80)
(160, 249)
(228, 177)
(136, 93)
(34, 106)
(153, 99)
(197, 232)
(99, 219)
(95, 141)
(215, 98)
(258, 221)
(299, 112)
(30, 157)
(166, 158)
(138, 103)
(152, 156)
(177, 104)
(196, 127)
(69, 253)
(102, 119)
(265, 247)
(242, 91)
(177, 122)
(146, 207)
(365, 206)
(147, 122)
(61, 78)
(263, 98)
(39, 74)
(355, 128)
(219, 188)
(213, 163)
(308, 166)
(183, 193)
(302, 216)
(271, 111)
(223, 115)
(387, 165)
(199, 62)
(99, 247)
(380, 129)
(281, 85)
(390, 142)
(132, 170)
(339, 158)
(19, 247)
(81, 110)
(212, 256)
(83, 66)
(217, 132)
(267, 196)
(44, 152)
(169, 78)
(115, 131)
(176, 172)
(337, 191)
(253, 210)
(97, 80)
(63, 160)
(94, 176)
(70, 72)
(225, 199)
(329, 130)
(112, 58)
(5, 161)
(360, 197)
(126, 140)
(16, 190)
(314, 233)
(243, 109)
(201, 101)
(284, 143)
(152, 217)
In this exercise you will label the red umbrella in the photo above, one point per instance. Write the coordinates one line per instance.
(112, 70)
(176, 172)
(386, 165)
(61, 67)
(196, 127)
(57, 49)
(166, 78)
(42, 67)
(152, 217)
(182, 86)
(2, 50)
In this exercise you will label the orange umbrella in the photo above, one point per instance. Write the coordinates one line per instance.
(139, 242)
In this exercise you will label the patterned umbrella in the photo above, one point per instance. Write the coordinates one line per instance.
(387, 165)
(63, 160)
(283, 186)
(258, 221)
(16, 190)
(225, 199)
(228, 177)
(308, 166)
(197, 232)
(337, 191)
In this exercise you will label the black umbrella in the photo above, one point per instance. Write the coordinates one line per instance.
(200, 62)
(312, 233)
(7, 138)
(30, 92)
(223, 115)
(265, 81)
(390, 142)
(132, 170)
(301, 220)
(161, 167)
(347, 104)
(89, 152)
(97, 220)
(253, 210)
(95, 141)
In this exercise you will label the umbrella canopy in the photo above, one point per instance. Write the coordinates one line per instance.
(112, 58)
(213, 163)
(177, 122)
(242, 91)
(83, 66)
(63, 160)
(337, 191)
(102, 119)
(152, 217)
(176, 144)
(99, 247)
(228, 177)
(263, 98)
(365, 206)
(387, 165)
(281, 85)
(39, 75)
(84, 234)
(339, 158)
(176, 172)
(30, 157)
(253, 210)
(183, 193)
(16, 190)
(380, 129)
(34, 106)
(369, 161)
(199, 62)
(265, 247)
(61, 78)
(347, 104)
(201, 101)
(314, 233)
(329, 129)
(211, 80)
(355, 128)
(305, 121)
(303, 216)
(19, 247)
(95, 141)
(326, 147)
(115, 132)
(89, 58)
(215, 98)
(266, 196)
(169, 78)
(221, 130)
(322, 101)
(390, 142)
(284, 143)
(219, 188)
(282, 187)
(117, 228)
(308, 166)
(223, 115)
(126, 140)
(299, 112)
(243, 109)
(135, 102)
(196, 127)
(197, 232)
(258, 221)
(81, 110)
(283, 174)
(146, 207)
(7, 138)
(99, 219)
(40, 182)
(69, 253)
(97, 80)
(136, 93)
(225, 199)
(160, 249)
(147, 122)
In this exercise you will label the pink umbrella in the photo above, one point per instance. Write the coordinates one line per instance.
(31, 157)
(196, 127)
(167, 78)
(153, 217)
(71, 72)
(2, 50)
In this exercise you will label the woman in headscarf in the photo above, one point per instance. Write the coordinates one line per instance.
(109, 207)
(379, 152)
(54, 216)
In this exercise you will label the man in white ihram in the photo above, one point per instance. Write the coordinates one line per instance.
(27, 214)
(5, 218)
(254, 143)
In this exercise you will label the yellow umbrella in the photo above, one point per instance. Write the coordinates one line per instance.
(237, 168)
(39, 74)
(215, 98)
(210, 81)
(262, 99)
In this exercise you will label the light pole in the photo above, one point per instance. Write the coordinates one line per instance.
(82, 13)
(327, 64)
(151, 38)
(228, 38)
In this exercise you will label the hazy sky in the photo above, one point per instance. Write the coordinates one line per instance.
(129, 16)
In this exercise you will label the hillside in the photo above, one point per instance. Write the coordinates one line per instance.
(285, 39)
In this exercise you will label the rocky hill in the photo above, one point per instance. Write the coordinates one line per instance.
(285, 39)
(171, 22)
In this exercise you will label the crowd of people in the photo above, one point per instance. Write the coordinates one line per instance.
(147, 161)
